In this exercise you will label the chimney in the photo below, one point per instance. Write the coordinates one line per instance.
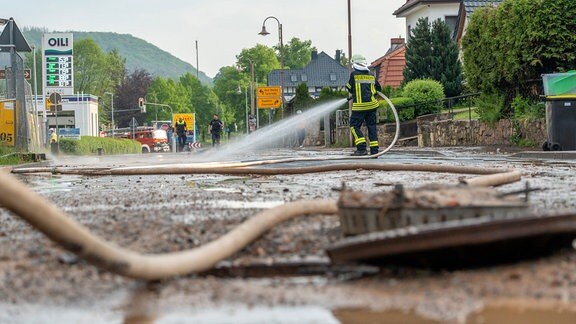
(314, 55)
(337, 57)
(395, 42)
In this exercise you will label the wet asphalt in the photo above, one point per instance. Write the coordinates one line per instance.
(163, 213)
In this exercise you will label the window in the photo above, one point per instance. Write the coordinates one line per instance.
(304, 78)
(293, 78)
(332, 76)
(451, 22)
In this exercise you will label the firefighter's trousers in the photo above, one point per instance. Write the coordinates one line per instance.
(369, 118)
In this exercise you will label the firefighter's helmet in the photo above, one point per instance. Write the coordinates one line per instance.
(359, 63)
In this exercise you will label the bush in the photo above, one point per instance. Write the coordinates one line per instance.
(427, 95)
(528, 109)
(489, 107)
(404, 106)
(89, 145)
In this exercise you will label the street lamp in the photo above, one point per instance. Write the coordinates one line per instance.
(264, 32)
(112, 108)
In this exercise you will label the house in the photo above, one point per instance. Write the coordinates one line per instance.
(322, 71)
(412, 10)
(467, 7)
(389, 68)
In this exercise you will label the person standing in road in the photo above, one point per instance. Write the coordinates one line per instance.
(363, 86)
(181, 130)
(215, 129)
(53, 141)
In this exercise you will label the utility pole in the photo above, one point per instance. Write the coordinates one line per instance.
(197, 66)
(350, 63)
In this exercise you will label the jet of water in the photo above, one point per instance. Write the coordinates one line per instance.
(272, 135)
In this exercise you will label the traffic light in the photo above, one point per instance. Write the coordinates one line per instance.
(141, 105)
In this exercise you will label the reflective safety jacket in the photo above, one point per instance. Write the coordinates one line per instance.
(363, 86)
(180, 127)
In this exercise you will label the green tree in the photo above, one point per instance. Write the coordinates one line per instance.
(114, 71)
(419, 52)
(203, 101)
(297, 53)
(264, 59)
(507, 47)
(167, 92)
(232, 88)
(90, 66)
(302, 99)
(446, 67)
(431, 53)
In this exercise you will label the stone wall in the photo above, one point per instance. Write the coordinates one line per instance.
(439, 132)
(505, 132)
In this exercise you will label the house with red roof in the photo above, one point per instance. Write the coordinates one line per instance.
(389, 68)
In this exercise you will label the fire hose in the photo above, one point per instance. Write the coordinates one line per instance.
(56, 225)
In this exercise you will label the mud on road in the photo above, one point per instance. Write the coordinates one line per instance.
(43, 283)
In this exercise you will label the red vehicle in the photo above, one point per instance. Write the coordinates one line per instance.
(152, 140)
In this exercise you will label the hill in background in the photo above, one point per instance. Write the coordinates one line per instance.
(139, 53)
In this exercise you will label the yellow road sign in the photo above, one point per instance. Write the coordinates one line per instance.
(269, 102)
(188, 118)
(269, 91)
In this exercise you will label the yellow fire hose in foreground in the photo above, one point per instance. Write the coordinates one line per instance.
(47, 218)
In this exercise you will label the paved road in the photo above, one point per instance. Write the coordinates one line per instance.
(161, 213)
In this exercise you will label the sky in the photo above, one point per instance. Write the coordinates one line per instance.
(222, 28)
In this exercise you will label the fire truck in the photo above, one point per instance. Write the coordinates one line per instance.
(151, 139)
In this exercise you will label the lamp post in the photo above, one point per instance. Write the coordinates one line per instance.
(112, 109)
(350, 138)
(264, 33)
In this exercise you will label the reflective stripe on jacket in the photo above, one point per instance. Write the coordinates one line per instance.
(363, 86)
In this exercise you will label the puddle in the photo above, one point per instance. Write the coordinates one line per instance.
(511, 315)
(49, 183)
(362, 316)
(489, 315)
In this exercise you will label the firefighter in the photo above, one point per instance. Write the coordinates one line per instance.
(362, 86)
(181, 132)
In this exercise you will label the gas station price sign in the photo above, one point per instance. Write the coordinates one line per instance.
(58, 63)
(58, 71)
